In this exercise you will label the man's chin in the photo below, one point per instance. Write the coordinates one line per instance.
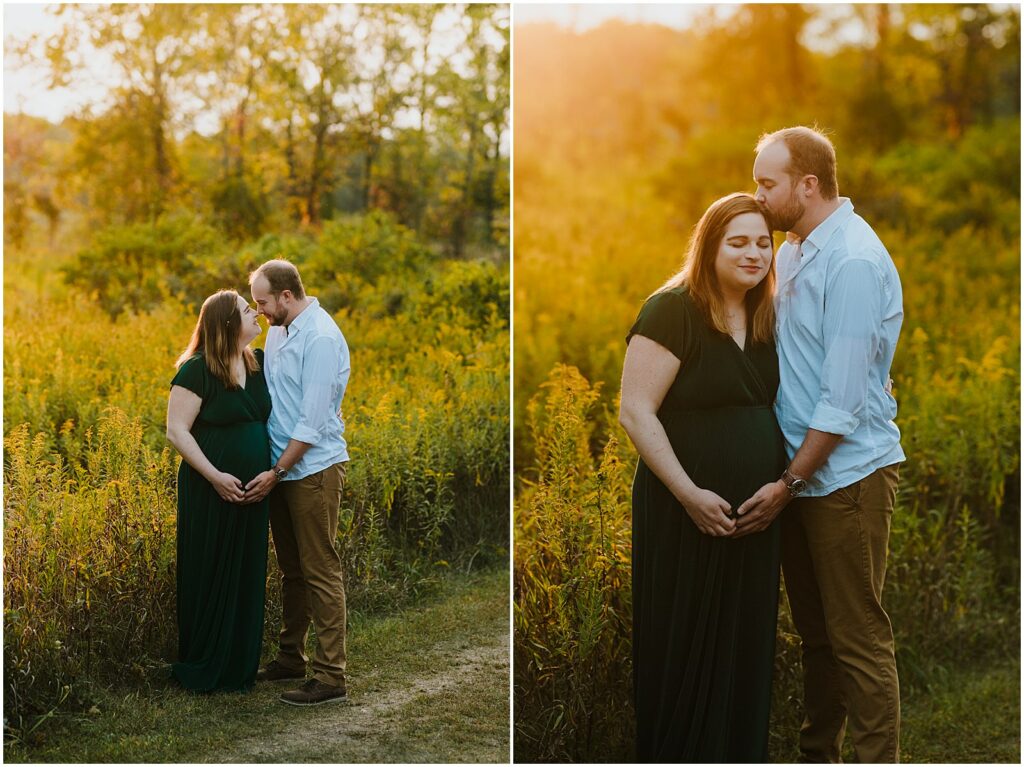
(781, 225)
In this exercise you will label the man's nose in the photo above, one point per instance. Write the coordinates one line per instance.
(759, 194)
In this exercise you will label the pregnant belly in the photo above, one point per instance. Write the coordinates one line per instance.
(730, 451)
(242, 450)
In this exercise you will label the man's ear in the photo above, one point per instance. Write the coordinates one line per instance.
(810, 185)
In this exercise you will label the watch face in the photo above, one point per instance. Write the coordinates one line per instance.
(798, 486)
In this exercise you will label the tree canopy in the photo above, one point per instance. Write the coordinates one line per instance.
(264, 117)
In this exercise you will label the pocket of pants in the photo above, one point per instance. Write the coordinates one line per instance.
(315, 482)
(851, 493)
(882, 495)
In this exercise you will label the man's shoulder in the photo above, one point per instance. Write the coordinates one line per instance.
(860, 231)
(323, 323)
(860, 242)
(321, 327)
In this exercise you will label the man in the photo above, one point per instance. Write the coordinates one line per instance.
(839, 309)
(307, 369)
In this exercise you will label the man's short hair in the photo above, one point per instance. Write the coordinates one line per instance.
(281, 275)
(810, 154)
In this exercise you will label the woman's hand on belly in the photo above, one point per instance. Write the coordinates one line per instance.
(710, 513)
(228, 487)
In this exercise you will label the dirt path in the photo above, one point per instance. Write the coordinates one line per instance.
(369, 724)
(426, 684)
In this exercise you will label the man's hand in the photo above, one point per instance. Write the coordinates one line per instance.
(758, 511)
(260, 486)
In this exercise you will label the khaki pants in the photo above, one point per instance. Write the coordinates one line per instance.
(304, 522)
(833, 560)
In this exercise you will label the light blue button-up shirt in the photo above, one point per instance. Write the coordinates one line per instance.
(307, 368)
(839, 308)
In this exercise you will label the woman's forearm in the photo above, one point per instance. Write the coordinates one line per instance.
(651, 442)
(190, 451)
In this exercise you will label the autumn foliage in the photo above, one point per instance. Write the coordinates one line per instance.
(624, 134)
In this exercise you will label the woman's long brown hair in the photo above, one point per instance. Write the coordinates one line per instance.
(216, 337)
(698, 270)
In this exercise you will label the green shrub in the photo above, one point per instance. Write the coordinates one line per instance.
(135, 266)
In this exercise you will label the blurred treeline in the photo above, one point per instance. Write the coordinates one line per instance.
(397, 224)
(624, 134)
(265, 117)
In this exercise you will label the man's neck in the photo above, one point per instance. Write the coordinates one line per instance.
(299, 309)
(813, 217)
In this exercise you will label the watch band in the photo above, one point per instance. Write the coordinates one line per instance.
(796, 485)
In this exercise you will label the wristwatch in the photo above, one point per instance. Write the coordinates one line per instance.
(279, 472)
(794, 484)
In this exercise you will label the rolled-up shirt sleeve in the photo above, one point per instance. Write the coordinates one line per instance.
(325, 371)
(851, 329)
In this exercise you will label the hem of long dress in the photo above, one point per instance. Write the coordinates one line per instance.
(246, 686)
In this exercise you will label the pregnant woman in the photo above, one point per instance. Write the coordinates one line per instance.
(698, 383)
(217, 419)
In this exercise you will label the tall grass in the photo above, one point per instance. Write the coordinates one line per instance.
(573, 604)
(572, 612)
(591, 242)
(89, 534)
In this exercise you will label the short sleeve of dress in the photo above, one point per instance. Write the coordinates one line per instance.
(192, 375)
(665, 319)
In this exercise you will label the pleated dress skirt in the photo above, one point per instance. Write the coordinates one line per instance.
(705, 608)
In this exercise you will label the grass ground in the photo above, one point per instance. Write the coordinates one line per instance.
(430, 684)
(972, 716)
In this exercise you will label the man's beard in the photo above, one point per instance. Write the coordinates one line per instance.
(278, 317)
(784, 219)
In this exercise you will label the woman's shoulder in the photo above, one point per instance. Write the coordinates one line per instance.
(667, 318)
(678, 299)
(681, 292)
(195, 364)
(192, 374)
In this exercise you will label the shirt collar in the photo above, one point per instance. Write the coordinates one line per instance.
(303, 318)
(823, 232)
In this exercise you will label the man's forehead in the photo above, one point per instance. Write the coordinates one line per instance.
(773, 156)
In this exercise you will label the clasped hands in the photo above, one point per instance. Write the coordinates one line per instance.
(231, 489)
(713, 515)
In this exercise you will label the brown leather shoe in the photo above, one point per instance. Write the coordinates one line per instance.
(313, 693)
(275, 672)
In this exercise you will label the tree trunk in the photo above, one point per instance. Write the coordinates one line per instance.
(291, 190)
(490, 200)
(312, 215)
(460, 224)
(162, 166)
(419, 172)
(240, 121)
(372, 151)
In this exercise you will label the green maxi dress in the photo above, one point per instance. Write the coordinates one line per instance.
(222, 547)
(704, 607)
